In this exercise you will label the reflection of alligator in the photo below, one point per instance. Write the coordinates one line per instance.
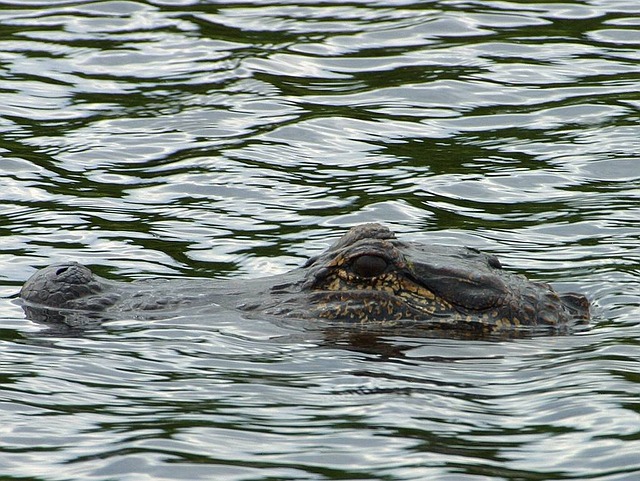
(367, 277)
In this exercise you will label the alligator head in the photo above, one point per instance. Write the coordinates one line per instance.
(370, 276)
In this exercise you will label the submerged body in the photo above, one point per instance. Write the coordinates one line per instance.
(368, 277)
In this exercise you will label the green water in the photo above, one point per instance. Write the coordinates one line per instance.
(235, 139)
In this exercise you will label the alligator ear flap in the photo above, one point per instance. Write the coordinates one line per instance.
(477, 291)
(577, 304)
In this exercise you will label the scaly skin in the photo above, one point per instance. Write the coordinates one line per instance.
(367, 277)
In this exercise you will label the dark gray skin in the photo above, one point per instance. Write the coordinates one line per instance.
(368, 278)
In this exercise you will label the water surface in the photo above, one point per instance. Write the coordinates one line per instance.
(235, 139)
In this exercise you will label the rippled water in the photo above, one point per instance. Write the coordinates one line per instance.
(230, 139)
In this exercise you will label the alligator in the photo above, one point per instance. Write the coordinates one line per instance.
(368, 278)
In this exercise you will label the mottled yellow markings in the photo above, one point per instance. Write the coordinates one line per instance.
(399, 297)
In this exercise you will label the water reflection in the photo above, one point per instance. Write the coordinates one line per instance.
(211, 139)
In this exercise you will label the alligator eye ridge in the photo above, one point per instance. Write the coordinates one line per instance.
(369, 266)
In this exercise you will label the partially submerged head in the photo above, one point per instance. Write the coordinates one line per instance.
(368, 275)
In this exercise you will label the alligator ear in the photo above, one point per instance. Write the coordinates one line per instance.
(469, 290)
(577, 304)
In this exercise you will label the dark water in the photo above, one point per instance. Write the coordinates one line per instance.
(230, 139)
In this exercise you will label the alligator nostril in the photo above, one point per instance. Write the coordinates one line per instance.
(62, 270)
(494, 262)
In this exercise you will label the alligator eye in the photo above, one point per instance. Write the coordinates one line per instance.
(369, 266)
(62, 270)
